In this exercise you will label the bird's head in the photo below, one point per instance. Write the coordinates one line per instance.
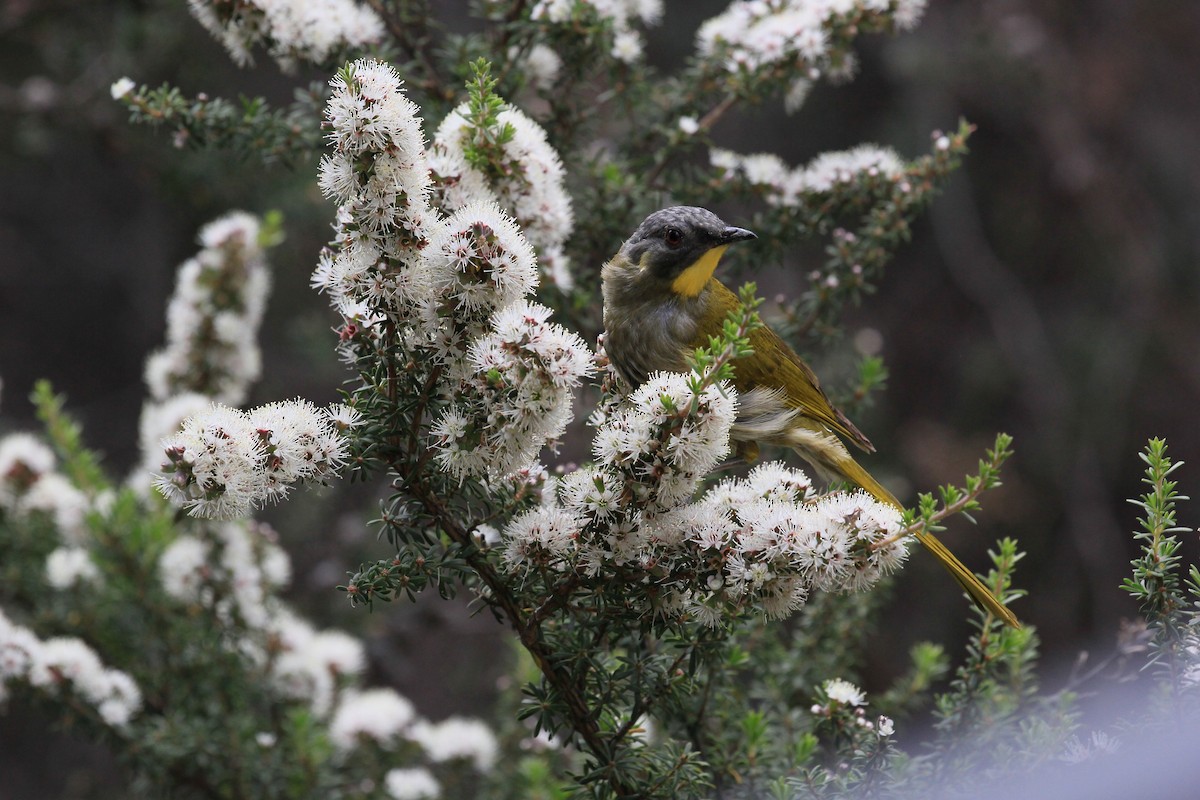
(681, 246)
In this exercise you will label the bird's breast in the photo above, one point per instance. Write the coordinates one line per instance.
(644, 336)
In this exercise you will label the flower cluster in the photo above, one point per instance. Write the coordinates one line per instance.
(517, 395)
(292, 30)
(476, 264)
(784, 186)
(379, 176)
(235, 571)
(763, 542)
(225, 462)
(315, 667)
(524, 177)
(620, 14)
(233, 568)
(667, 438)
(69, 566)
(64, 666)
(796, 37)
(213, 316)
(844, 704)
(414, 783)
(30, 484)
(651, 453)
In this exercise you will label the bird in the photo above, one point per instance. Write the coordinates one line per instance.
(662, 301)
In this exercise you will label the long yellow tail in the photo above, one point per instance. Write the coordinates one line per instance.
(983, 597)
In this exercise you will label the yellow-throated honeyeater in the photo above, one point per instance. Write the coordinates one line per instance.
(661, 302)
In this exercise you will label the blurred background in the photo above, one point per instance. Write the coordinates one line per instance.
(1052, 292)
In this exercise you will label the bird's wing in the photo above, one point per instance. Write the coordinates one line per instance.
(774, 364)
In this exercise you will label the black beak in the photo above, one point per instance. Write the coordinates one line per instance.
(731, 235)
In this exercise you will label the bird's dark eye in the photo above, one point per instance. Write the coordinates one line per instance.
(673, 237)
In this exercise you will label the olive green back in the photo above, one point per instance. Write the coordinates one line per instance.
(774, 364)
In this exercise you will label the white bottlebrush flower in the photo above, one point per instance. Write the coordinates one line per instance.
(871, 532)
(829, 169)
(158, 421)
(541, 537)
(379, 174)
(752, 34)
(784, 186)
(214, 315)
(23, 460)
(68, 566)
(413, 783)
(542, 66)
(224, 462)
(55, 495)
(908, 13)
(593, 491)
(531, 189)
(797, 93)
(776, 481)
(291, 30)
(627, 46)
(122, 87)
(62, 663)
(457, 738)
(478, 261)
(183, 567)
(379, 715)
(844, 692)
(18, 646)
(701, 439)
(300, 445)
(516, 395)
(214, 465)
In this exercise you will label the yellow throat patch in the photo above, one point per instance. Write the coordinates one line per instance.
(692, 280)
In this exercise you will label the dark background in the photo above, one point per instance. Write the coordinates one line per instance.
(1050, 293)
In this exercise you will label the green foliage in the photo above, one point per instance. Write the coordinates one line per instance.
(484, 149)
(609, 696)
(248, 129)
(1156, 581)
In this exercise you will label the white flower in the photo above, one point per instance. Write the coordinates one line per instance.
(532, 189)
(57, 496)
(703, 438)
(68, 566)
(213, 465)
(516, 392)
(542, 66)
(457, 738)
(415, 783)
(540, 536)
(23, 459)
(376, 714)
(844, 692)
(379, 173)
(908, 13)
(299, 445)
(885, 726)
(158, 421)
(627, 46)
(183, 567)
(225, 462)
(292, 30)
(122, 87)
(479, 260)
(689, 125)
(214, 315)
